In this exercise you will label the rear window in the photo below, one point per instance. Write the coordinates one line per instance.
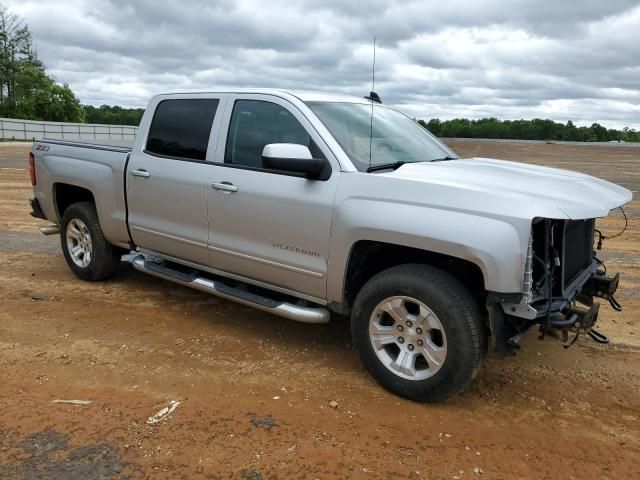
(181, 128)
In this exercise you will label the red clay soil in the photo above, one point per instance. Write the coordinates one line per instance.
(265, 398)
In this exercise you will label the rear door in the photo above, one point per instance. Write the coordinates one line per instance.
(167, 177)
(266, 225)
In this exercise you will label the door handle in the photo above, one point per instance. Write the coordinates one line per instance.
(140, 173)
(225, 187)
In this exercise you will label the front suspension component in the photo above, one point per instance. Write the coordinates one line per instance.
(604, 286)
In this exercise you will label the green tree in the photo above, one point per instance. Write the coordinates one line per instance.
(26, 91)
(38, 97)
(629, 135)
(16, 52)
(113, 115)
(570, 132)
(600, 132)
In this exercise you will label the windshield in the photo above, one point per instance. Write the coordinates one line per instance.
(395, 138)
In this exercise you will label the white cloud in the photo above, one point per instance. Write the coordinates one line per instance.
(564, 60)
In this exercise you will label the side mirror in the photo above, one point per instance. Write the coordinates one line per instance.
(291, 157)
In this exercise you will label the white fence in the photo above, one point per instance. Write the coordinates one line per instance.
(12, 129)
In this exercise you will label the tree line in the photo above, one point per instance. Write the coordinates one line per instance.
(113, 115)
(536, 129)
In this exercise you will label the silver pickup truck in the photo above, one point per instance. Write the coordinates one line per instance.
(303, 204)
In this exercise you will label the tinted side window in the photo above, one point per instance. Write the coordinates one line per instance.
(181, 128)
(254, 124)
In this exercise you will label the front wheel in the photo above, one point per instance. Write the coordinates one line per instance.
(87, 252)
(418, 332)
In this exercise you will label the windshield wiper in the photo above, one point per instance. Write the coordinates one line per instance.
(398, 164)
(386, 166)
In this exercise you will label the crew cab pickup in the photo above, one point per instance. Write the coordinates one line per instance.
(304, 204)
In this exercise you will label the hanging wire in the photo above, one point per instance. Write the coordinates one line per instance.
(602, 237)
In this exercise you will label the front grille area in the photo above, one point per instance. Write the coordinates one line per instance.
(578, 248)
(562, 250)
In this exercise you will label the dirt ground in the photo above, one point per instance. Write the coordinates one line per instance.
(255, 390)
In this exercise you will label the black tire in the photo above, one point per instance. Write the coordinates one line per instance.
(458, 313)
(104, 258)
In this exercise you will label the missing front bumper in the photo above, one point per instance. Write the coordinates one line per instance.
(561, 318)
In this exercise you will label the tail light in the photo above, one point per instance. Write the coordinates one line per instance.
(32, 168)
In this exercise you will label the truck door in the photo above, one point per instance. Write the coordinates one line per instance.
(167, 177)
(266, 225)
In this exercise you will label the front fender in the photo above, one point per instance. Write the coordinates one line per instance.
(497, 246)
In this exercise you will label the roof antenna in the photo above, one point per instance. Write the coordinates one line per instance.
(373, 96)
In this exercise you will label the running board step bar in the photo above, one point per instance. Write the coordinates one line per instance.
(216, 287)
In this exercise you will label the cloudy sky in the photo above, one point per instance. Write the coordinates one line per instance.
(559, 59)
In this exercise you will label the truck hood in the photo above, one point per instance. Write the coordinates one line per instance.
(575, 194)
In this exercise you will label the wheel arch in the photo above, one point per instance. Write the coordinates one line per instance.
(66, 194)
(112, 223)
(368, 258)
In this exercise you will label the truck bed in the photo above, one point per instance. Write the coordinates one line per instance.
(95, 166)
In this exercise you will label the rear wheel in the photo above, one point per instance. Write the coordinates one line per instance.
(87, 252)
(419, 332)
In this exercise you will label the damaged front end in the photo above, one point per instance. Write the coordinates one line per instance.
(561, 279)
